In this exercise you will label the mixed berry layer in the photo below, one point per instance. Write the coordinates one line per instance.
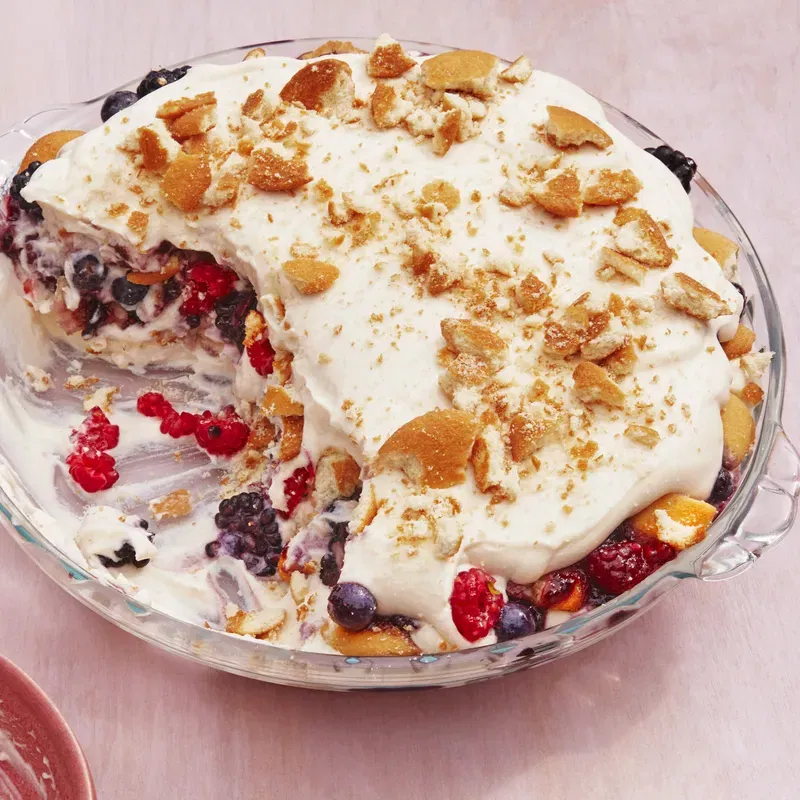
(91, 289)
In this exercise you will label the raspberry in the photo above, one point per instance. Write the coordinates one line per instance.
(177, 425)
(563, 590)
(92, 470)
(295, 488)
(95, 432)
(475, 604)
(261, 356)
(223, 434)
(616, 567)
(206, 282)
(153, 404)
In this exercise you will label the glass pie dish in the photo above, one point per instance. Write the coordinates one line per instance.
(759, 514)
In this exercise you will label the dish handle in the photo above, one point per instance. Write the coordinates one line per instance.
(770, 517)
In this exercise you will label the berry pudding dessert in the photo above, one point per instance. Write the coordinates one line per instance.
(370, 353)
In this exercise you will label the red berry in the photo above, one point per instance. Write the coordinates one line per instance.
(261, 356)
(616, 567)
(92, 470)
(177, 425)
(475, 604)
(295, 488)
(222, 434)
(96, 432)
(153, 404)
(563, 590)
(206, 282)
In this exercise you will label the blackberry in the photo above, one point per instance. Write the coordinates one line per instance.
(114, 103)
(127, 293)
(18, 183)
(7, 241)
(88, 273)
(96, 314)
(739, 288)
(400, 621)
(330, 566)
(249, 532)
(597, 597)
(622, 533)
(681, 166)
(157, 78)
(231, 313)
(127, 554)
(723, 487)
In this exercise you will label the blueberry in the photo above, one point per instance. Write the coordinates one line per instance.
(723, 487)
(18, 183)
(352, 606)
(116, 102)
(516, 620)
(157, 78)
(193, 321)
(127, 293)
(88, 273)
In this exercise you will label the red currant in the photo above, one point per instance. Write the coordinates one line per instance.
(96, 432)
(92, 470)
(223, 434)
(153, 404)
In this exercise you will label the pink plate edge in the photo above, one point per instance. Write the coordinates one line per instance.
(55, 723)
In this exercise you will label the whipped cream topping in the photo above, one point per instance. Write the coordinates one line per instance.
(365, 351)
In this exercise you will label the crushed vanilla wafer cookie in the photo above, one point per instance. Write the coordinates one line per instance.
(174, 505)
(686, 294)
(413, 335)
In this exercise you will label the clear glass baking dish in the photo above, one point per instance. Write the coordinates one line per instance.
(759, 515)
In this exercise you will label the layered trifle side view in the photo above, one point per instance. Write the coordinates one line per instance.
(371, 353)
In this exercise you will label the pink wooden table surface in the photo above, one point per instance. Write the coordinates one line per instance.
(700, 699)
